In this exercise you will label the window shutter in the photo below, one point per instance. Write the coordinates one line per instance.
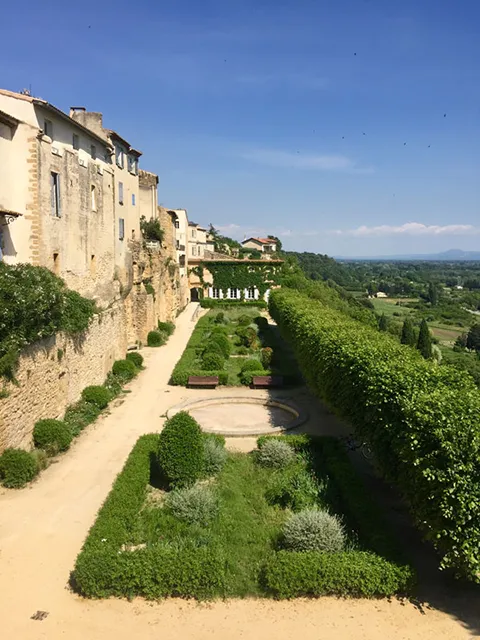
(59, 197)
(120, 192)
(52, 194)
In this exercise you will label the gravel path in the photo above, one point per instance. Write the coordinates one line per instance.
(43, 527)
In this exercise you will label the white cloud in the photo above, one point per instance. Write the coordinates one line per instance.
(274, 158)
(410, 229)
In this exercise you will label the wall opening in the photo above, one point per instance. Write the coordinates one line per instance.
(56, 264)
(93, 266)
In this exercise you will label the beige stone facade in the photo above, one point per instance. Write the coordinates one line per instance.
(53, 372)
(58, 178)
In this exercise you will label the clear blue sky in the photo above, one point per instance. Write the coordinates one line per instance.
(253, 112)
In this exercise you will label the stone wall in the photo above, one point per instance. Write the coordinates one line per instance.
(53, 372)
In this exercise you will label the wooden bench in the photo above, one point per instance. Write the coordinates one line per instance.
(206, 382)
(266, 382)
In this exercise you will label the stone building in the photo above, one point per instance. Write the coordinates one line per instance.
(148, 190)
(56, 186)
(199, 242)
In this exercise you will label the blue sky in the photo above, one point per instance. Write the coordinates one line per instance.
(259, 117)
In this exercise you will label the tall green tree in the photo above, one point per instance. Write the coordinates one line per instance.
(408, 333)
(383, 323)
(432, 294)
(424, 344)
(473, 338)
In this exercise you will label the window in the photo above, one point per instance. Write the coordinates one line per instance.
(133, 165)
(194, 233)
(93, 193)
(48, 128)
(120, 192)
(178, 244)
(121, 228)
(56, 263)
(93, 151)
(233, 293)
(251, 293)
(55, 194)
(133, 199)
(76, 141)
(119, 156)
(177, 224)
(215, 293)
(194, 250)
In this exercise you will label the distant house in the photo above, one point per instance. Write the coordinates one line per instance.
(381, 294)
(264, 245)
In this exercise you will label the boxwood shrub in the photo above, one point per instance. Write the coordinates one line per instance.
(246, 377)
(156, 338)
(136, 358)
(212, 361)
(180, 450)
(97, 395)
(422, 420)
(166, 327)
(125, 370)
(52, 435)
(154, 572)
(17, 467)
(223, 342)
(290, 574)
(252, 365)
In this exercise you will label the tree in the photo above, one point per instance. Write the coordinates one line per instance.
(408, 333)
(473, 338)
(383, 323)
(424, 344)
(277, 242)
(432, 294)
(372, 288)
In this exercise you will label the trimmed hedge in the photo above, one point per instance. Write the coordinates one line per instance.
(246, 377)
(213, 361)
(290, 574)
(251, 365)
(125, 370)
(97, 395)
(17, 467)
(166, 327)
(209, 303)
(223, 342)
(136, 358)
(180, 450)
(422, 420)
(52, 435)
(156, 338)
(154, 572)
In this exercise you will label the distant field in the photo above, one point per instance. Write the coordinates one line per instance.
(388, 306)
(445, 333)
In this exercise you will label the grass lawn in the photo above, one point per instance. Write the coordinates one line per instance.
(138, 546)
(389, 307)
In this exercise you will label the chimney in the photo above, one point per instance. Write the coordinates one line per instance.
(92, 120)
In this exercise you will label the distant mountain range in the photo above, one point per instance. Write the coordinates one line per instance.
(453, 255)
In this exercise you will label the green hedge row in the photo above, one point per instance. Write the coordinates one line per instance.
(102, 569)
(290, 574)
(422, 420)
(210, 303)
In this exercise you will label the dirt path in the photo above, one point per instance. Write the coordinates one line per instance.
(43, 527)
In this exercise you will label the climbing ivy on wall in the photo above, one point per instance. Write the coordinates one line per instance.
(241, 275)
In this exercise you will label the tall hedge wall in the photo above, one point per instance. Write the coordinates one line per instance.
(422, 420)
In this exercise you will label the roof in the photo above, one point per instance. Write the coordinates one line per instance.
(116, 136)
(8, 119)
(261, 240)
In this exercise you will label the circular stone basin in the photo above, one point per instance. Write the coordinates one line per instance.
(239, 416)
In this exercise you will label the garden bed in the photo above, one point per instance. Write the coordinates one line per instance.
(235, 344)
(140, 546)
